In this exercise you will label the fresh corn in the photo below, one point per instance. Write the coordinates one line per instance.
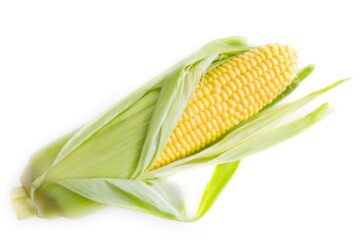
(216, 106)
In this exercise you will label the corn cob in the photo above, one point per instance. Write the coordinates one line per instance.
(227, 95)
(109, 161)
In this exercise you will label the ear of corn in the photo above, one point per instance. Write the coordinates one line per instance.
(209, 108)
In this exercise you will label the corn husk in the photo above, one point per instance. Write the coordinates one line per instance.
(107, 162)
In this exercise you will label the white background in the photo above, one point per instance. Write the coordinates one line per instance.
(64, 62)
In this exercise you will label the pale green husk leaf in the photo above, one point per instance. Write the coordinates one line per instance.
(220, 178)
(158, 197)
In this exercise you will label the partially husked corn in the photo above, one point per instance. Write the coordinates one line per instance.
(228, 95)
(202, 110)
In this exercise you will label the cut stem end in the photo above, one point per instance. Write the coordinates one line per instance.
(22, 203)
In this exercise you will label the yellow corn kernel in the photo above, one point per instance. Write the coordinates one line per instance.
(229, 94)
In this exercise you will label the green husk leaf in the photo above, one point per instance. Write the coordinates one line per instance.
(220, 178)
(42, 160)
(174, 95)
(114, 150)
(275, 136)
(157, 197)
(92, 127)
